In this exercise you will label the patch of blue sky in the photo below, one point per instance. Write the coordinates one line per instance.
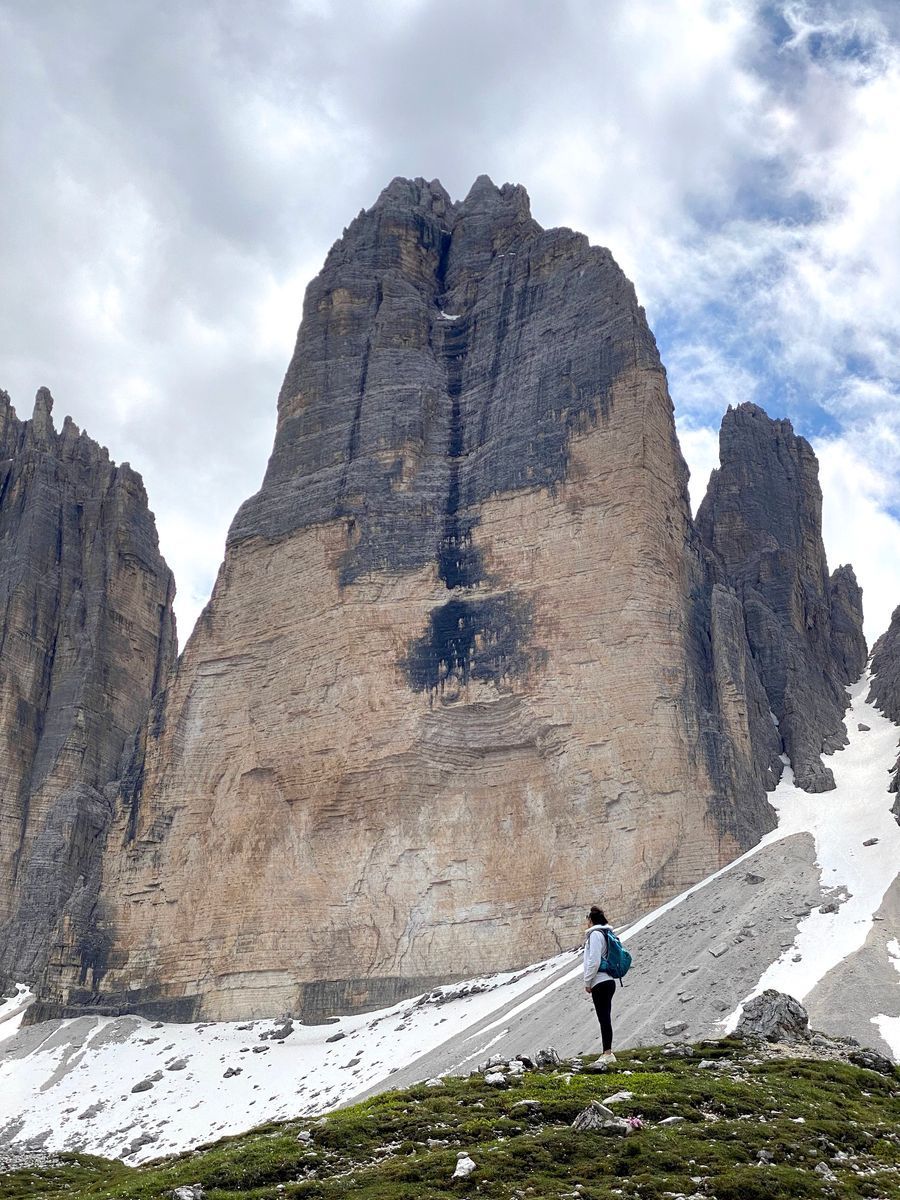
(724, 351)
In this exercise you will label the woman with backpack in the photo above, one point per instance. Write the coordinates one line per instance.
(599, 985)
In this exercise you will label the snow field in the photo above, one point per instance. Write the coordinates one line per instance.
(855, 875)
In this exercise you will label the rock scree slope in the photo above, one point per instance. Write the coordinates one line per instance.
(466, 651)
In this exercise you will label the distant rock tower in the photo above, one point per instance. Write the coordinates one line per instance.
(87, 636)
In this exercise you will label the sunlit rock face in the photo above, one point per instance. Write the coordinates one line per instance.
(467, 666)
(762, 521)
(86, 637)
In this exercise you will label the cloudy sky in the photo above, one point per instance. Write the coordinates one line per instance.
(173, 175)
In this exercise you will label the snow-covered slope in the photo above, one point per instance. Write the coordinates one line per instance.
(812, 910)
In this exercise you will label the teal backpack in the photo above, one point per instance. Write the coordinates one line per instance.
(617, 960)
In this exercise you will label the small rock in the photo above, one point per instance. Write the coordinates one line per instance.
(706, 1064)
(718, 951)
(825, 1172)
(546, 1058)
(673, 1027)
(304, 1136)
(436, 1082)
(871, 842)
(751, 878)
(143, 1139)
(495, 1079)
(595, 1116)
(872, 1061)
(686, 997)
(231, 1072)
(595, 1068)
(177, 1064)
(830, 907)
(336, 1037)
(765, 1156)
(144, 1086)
(671, 1120)
(464, 1166)
(260, 1049)
(516, 1067)
(531, 1106)
(863, 728)
(191, 1192)
(619, 1098)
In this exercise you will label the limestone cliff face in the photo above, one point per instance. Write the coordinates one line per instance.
(86, 636)
(884, 692)
(761, 520)
(461, 673)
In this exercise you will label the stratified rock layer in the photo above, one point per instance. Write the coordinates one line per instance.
(762, 521)
(86, 636)
(458, 676)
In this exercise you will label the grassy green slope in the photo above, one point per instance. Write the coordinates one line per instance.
(404, 1145)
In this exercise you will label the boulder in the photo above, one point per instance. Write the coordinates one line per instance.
(775, 1017)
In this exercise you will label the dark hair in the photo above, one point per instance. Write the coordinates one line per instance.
(597, 916)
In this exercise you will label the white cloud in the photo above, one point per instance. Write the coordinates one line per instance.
(175, 175)
(858, 528)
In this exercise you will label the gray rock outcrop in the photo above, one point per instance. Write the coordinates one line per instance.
(761, 520)
(86, 637)
(775, 1017)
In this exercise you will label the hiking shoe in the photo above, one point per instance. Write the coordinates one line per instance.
(608, 1057)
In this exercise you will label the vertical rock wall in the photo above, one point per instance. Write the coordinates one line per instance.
(761, 520)
(86, 637)
(884, 692)
(463, 671)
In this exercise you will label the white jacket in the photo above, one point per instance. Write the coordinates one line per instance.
(594, 951)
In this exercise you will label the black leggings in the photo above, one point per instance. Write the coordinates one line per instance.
(602, 995)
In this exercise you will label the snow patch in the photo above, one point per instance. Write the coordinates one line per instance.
(840, 821)
(71, 1082)
(12, 1010)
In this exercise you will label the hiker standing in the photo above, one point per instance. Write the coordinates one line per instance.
(599, 985)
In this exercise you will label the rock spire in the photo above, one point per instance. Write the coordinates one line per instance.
(761, 519)
(86, 638)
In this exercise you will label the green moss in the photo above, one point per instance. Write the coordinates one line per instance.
(403, 1145)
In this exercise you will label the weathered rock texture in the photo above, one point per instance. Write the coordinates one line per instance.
(86, 636)
(761, 519)
(468, 665)
(463, 670)
(884, 691)
(774, 1017)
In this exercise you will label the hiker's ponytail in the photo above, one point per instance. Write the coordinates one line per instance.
(597, 916)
